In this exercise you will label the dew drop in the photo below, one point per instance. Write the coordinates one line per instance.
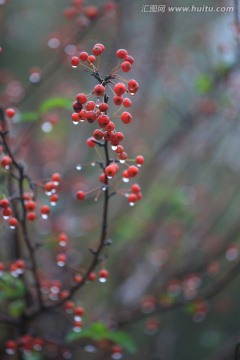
(77, 318)
(79, 167)
(75, 122)
(93, 163)
(44, 216)
(48, 193)
(102, 280)
(61, 263)
(6, 217)
(132, 93)
(131, 203)
(117, 356)
(104, 188)
(7, 167)
(81, 120)
(77, 329)
(53, 203)
(12, 227)
(46, 127)
(109, 177)
(62, 243)
(122, 161)
(90, 348)
(139, 165)
(126, 180)
(10, 351)
(74, 66)
(114, 147)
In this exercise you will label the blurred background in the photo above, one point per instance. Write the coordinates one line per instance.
(174, 262)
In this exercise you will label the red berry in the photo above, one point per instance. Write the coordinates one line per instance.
(61, 259)
(56, 177)
(77, 106)
(119, 136)
(6, 162)
(80, 195)
(91, 12)
(4, 203)
(119, 149)
(91, 142)
(126, 117)
(121, 53)
(31, 216)
(110, 126)
(6, 213)
(116, 349)
(119, 89)
(126, 66)
(53, 199)
(98, 134)
(102, 178)
(75, 61)
(79, 311)
(125, 174)
(99, 90)
(117, 100)
(91, 116)
(127, 102)
(82, 115)
(97, 49)
(69, 306)
(45, 211)
(10, 113)
(90, 105)
(92, 276)
(135, 188)
(123, 155)
(91, 59)
(103, 273)
(132, 171)
(103, 107)
(81, 98)
(30, 205)
(103, 120)
(130, 59)
(75, 118)
(139, 160)
(13, 222)
(83, 56)
(132, 86)
(108, 135)
(132, 198)
(110, 171)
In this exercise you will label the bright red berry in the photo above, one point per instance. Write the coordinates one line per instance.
(119, 89)
(6, 162)
(56, 178)
(92, 276)
(83, 56)
(81, 98)
(130, 59)
(99, 90)
(132, 86)
(13, 222)
(103, 107)
(90, 105)
(30, 205)
(110, 171)
(80, 195)
(135, 188)
(10, 113)
(139, 160)
(98, 134)
(132, 198)
(117, 100)
(79, 311)
(91, 142)
(103, 275)
(61, 260)
(127, 102)
(31, 216)
(4, 203)
(121, 53)
(126, 117)
(75, 61)
(126, 66)
(45, 211)
(97, 49)
(91, 59)
(132, 171)
(103, 120)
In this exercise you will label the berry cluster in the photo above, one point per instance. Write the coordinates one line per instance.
(97, 109)
(78, 8)
(25, 343)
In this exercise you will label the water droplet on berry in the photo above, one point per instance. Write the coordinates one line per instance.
(7, 167)
(131, 203)
(48, 193)
(6, 217)
(114, 147)
(109, 177)
(62, 243)
(139, 165)
(102, 280)
(90, 348)
(104, 188)
(132, 93)
(75, 122)
(12, 227)
(44, 216)
(79, 167)
(10, 351)
(122, 161)
(61, 263)
(81, 120)
(126, 180)
(93, 163)
(53, 203)
(117, 356)
(74, 66)
(77, 329)
(77, 318)
(46, 127)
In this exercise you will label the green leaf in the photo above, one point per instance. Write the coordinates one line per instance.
(16, 308)
(12, 287)
(29, 116)
(204, 84)
(96, 331)
(123, 339)
(32, 356)
(56, 102)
